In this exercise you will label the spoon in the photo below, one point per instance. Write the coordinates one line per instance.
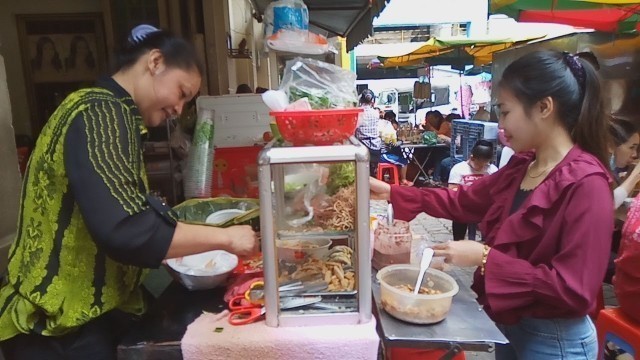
(390, 215)
(427, 255)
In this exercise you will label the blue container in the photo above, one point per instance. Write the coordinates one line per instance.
(290, 18)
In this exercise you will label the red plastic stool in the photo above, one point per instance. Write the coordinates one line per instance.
(392, 170)
(617, 333)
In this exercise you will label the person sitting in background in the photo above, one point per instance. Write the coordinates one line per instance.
(244, 89)
(444, 164)
(481, 115)
(467, 172)
(434, 121)
(446, 129)
(261, 90)
(624, 150)
(626, 281)
(391, 151)
(625, 138)
(367, 131)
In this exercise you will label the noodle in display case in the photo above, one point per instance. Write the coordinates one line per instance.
(314, 217)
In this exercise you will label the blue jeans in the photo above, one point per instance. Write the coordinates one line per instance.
(443, 169)
(541, 339)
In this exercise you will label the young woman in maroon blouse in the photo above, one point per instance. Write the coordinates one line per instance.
(546, 216)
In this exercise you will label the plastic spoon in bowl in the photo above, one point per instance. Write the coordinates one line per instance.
(427, 255)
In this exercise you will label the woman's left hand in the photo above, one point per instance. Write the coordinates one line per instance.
(463, 253)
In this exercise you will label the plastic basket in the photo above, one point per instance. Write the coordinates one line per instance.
(317, 127)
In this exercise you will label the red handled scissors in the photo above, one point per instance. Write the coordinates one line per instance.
(246, 315)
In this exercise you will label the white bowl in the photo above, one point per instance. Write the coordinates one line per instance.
(222, 216)
(203, 271)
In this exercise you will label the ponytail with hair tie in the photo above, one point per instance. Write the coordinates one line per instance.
(573, 83)
(576, 69)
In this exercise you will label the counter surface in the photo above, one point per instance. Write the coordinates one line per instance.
(466, 325)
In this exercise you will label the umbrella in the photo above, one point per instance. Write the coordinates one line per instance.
(453, 51)
(602, 15)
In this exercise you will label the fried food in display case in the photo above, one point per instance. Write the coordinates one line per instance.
(314, 213)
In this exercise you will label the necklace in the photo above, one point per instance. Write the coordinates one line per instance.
(541, 173)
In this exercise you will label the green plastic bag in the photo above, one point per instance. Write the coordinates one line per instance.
(430, 138)
(196, 211)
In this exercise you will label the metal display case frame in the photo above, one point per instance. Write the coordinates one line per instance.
(272, 185)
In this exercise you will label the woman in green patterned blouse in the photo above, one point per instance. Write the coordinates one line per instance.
(87, 228)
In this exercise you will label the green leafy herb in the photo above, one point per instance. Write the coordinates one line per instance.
(319, 99)
(341, 175)
(292, 187)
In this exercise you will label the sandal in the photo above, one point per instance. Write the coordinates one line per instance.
(406, 183)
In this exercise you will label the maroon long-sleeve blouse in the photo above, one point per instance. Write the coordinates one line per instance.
(549, 257)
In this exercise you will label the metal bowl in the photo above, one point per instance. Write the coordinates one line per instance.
(300, 249)
(197, 272)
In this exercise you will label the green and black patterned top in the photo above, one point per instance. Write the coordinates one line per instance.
(86, 228)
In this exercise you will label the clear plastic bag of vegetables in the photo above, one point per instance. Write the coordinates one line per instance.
(325, 85)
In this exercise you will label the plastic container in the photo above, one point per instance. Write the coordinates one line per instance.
(416, 309)
(194, 272)
(392, 245)
(317, 127)
(199, 169)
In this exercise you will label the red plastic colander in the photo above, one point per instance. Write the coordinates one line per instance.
(317, 127)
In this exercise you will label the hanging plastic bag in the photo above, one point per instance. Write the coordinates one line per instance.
(287, 15)
(325, 85)
(298, 41)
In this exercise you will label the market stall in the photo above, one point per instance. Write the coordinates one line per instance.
(310, 292)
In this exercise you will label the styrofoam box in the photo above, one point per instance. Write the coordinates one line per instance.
(239, 120)
(490, 128)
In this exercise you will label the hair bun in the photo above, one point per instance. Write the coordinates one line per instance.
(140, 32)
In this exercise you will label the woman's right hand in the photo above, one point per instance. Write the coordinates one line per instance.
(243, 240)
(380, 190)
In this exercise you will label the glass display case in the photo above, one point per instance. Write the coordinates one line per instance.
(314, 219)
